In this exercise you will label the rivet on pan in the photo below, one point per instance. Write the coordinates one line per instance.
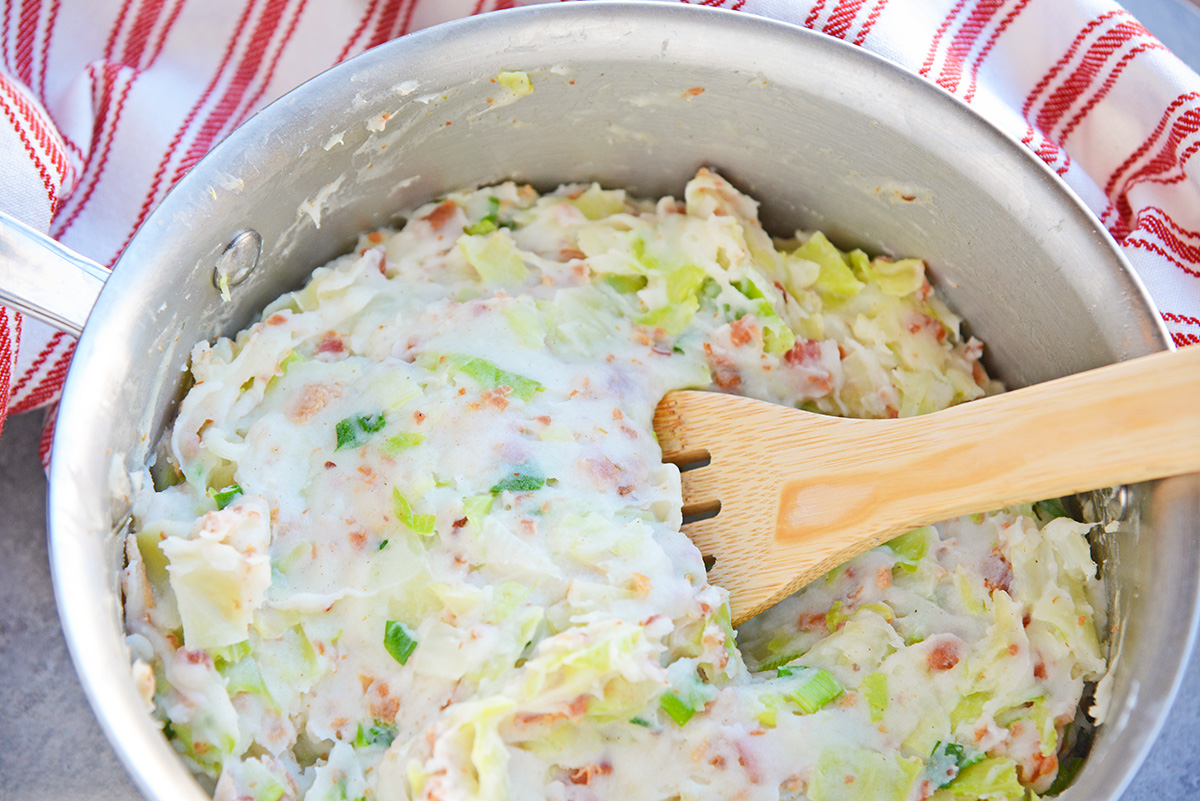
(1109, 505)
(1117, 502)
(238, 261)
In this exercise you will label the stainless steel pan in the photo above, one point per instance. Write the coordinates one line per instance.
(825, 134)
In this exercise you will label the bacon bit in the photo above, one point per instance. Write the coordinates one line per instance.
(1014, 649)
(908, 198)
(924, 321)
(979, 374)
(1040, 765)
(329, 465)
(448, 123)
(717, 762)
(496, 397)
(536, 718)
(625, 489)
(944, 655)
(418, 417)
(814, 621)
(1026, 619)
(603, 470)
(277, 319)
(528, 527)
(805, 351)
(374, 237)
(883, 578)
(442, 213)
(358, 537)
(849, 778)
(571, 254)
(584, 775)
(996, 571)
(331, 342)
(577, 708)
(742, 331)
(793, 784)
(385, 705)
(640, 584)
(725, 373)
(693, 92)
(746, 760)
(617, 414)
(459, 523)
(544, 419)
(366, 470)
(313, 398)
(197, 657)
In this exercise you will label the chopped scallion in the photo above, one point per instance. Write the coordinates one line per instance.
(377, 734)
(518, 482)
(814, 688)
(676, 708)
(399, 641)
(356, 429)
(947, 761)
(224, 497)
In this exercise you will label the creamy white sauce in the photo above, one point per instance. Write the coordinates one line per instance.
(421, 543)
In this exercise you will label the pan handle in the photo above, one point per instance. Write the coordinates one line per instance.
(40, 277)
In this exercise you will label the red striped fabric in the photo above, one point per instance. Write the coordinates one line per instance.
(105, 104)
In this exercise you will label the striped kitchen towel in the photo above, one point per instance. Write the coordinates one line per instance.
(106, 103)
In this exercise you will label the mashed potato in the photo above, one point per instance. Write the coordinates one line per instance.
(412, 536)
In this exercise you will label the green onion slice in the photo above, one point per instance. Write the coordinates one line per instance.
(399, 641)
(356, 429)
(224, 497)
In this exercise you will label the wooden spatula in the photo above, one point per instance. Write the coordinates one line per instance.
(797, 494)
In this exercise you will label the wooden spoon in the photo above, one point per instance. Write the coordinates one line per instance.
(797, 493)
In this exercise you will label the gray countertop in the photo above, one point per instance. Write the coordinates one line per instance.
(55, 747)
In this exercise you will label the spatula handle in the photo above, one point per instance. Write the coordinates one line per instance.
(1127, 422)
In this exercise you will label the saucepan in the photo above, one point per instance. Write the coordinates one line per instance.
(637, 95)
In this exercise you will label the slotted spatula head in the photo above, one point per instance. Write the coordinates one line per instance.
(740, 498)
(796, 494)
